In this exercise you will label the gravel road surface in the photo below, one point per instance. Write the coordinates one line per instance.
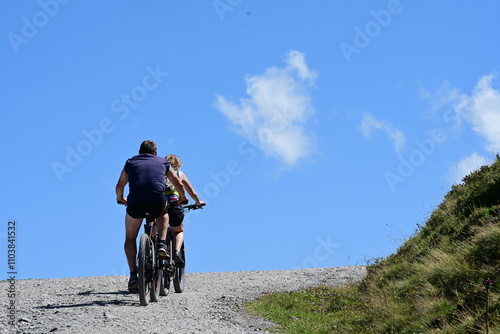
(210, 303)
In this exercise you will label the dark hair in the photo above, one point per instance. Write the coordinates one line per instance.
(148, 146)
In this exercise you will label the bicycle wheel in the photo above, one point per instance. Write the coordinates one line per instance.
(154, 293)
(145, 267)
(179, 274)
(165, 282)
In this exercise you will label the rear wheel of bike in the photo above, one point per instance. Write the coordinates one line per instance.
(165, 282)
(154, 293)
(179, 274)
(145, 267)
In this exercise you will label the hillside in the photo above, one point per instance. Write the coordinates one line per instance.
(444, 279)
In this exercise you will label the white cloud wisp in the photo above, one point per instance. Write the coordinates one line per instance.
(274, 116)
(369, 124)
(466, 166)
(482, 110)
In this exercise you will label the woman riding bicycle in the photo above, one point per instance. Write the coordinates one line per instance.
(175, 212)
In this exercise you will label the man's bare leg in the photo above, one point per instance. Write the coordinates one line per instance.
(162, 226)
(132, 226)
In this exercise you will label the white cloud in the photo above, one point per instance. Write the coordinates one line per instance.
(482, 110)
(297, 61)
(466, 166)
(369, 124)
(278, 107)
(444, 96)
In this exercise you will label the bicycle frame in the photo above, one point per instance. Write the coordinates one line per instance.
(150, 226)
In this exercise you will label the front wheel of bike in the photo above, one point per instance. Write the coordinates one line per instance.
(179, 274)
(145, 267)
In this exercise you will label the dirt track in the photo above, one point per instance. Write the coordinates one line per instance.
(210, 303)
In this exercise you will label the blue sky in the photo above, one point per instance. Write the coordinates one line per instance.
(319, 133)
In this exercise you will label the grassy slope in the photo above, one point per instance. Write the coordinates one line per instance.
(437, 282)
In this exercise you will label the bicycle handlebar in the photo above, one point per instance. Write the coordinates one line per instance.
(193, 206)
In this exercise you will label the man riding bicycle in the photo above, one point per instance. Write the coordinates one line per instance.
(145, 173)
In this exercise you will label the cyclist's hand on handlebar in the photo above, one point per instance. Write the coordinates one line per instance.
(195, 206)
(121, 200)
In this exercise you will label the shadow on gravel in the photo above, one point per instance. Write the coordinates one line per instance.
(92, 292)
(114, 302)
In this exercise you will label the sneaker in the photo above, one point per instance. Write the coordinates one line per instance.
(162, 251)
(133, 283)
(178, 258)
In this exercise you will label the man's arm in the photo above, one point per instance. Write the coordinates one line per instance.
(120, 188)
(178, 185)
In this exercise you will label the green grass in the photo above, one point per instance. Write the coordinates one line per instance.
(434, 283)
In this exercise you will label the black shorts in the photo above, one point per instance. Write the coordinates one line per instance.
(139, 210)
(175, 215)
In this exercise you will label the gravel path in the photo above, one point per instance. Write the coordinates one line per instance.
(210, 303)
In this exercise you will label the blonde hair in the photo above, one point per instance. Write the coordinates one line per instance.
(174, 160)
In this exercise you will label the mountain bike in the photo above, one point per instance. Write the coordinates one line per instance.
(173, 272)
(150, 265)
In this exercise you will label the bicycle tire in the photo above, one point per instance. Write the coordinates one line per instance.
(145, 259)
(154, 293)
(165, 282)
(179, 274)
